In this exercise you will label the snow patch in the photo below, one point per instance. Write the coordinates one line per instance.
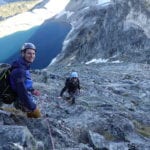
(18, 146)
(69, 64)
(67, 13)
(53, 61)
(65, 43)
(100, 60)
(86, 8)
(103, 2)
(72, 58)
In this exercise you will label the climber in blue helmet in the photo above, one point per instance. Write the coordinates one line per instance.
(72, 86)
(21, 82)
(74, 75)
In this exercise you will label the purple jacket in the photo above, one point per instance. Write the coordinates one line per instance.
(21, 83)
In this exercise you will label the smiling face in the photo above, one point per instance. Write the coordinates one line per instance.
(29, 55)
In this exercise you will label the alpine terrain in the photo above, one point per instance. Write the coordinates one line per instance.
(109, 46)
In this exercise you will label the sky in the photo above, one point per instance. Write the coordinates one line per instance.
(23, 22)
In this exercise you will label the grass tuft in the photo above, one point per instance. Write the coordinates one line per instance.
(14, 8)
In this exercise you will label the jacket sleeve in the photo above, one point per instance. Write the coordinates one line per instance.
(24, 96)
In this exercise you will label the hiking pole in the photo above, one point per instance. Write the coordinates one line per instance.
(50, 133)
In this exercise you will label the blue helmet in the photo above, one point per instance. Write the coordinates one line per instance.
(74, 75)
(28, 46)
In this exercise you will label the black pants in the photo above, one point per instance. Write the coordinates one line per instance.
(73, 95)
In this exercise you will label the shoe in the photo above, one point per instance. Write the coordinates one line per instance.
(35, 114)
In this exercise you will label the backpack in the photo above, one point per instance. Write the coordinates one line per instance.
(7, 95)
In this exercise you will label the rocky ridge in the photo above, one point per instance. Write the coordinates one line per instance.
(112, 110)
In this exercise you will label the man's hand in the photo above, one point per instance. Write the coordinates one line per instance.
(36, 93)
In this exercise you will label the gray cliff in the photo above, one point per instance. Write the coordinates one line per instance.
(116, 30)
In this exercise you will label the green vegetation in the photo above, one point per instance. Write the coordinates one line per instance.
(142, 129)
(14, 8)
(108, 136)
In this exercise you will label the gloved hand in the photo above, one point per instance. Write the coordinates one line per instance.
(36, 93)
(35, 114)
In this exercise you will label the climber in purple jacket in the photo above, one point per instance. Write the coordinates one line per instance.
(21, 82)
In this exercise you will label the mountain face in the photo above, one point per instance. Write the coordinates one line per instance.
(109, 48)
(114, 30)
